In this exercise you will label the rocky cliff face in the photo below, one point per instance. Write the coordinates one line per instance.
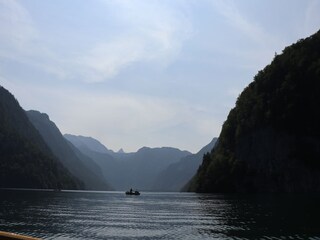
(271, 139)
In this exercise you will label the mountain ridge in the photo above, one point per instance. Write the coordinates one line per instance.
(178, 174)
(136, 169)
(80, 166)
(25, 159)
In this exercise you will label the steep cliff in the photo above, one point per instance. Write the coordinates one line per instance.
(25, 159)
(270, 141)
(78, 164)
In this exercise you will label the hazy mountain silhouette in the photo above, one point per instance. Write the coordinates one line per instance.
(77, 163)
(147, 163)
(25, 159)
(89, 142)
(138, 169)
(270, 141)
(178, 174)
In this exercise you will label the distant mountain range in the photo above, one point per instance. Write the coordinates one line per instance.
(125, 170)
(34, 154)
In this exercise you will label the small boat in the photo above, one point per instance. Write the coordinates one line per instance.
(136, 192)
(14, 236)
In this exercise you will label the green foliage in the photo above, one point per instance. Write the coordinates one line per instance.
(284, 97)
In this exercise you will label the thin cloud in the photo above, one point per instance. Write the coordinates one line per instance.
(158, 60)
(152, 32)
(252, 30)
(16, 28)
(23, 43)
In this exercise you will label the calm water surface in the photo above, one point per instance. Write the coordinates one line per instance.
(113, 215)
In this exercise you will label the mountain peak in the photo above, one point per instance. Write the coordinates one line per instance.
(91, 143)
(37, 113)
(121, 151)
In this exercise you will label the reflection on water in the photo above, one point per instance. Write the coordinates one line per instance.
(113, 215)
(262, 216)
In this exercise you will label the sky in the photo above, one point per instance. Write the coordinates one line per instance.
(134, 73)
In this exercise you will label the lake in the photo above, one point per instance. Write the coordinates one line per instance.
(113, 215)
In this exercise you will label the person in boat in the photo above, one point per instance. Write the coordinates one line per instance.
(130, 190)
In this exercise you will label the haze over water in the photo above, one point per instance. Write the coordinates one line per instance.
(113, 215)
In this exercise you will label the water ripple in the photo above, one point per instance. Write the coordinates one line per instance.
(84, 215)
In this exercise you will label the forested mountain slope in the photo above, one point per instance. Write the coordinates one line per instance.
(79, 165)
(25, 159)
(270, 141)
